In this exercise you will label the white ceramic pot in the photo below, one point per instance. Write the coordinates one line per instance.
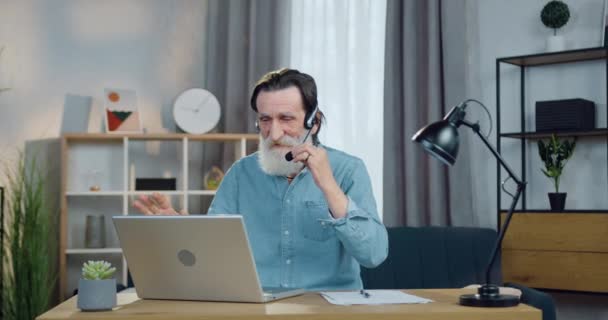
(556, 43)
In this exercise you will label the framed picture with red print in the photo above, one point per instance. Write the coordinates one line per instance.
(120, 111)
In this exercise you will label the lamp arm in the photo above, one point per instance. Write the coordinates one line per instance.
(475, 128)
(521, 185)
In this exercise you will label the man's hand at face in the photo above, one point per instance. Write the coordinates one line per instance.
(315, 159)
(156, 204)
(317, 162)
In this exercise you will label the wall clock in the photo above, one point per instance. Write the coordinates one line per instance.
(196, 111)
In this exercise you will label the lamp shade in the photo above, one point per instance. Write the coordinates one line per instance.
(440, 139)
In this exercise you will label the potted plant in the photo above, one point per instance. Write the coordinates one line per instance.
(555, 14)
(28, 244)
(97, 288)
(555, 155)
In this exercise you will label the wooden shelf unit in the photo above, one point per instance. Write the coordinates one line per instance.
(525, 64)
(564, 251)
(121, 195)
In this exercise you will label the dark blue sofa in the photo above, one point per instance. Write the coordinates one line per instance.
(444, 257)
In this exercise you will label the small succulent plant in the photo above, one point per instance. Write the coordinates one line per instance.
(97, 270)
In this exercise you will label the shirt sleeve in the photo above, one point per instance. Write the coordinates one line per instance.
(225, 200)
(361, 231)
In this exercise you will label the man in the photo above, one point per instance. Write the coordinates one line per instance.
(312, 221)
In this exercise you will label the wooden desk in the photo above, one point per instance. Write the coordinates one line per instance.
(308, 306)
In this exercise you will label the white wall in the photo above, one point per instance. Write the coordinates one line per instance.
(54, 48)
(509, 28)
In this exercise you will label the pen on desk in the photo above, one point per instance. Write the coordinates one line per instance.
(364, 293)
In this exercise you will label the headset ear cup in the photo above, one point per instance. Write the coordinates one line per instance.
(311, 120)
(307, 124)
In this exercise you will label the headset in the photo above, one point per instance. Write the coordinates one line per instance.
(311, 120)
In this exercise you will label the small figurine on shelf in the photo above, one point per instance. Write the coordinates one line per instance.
(213, 178)
(97, 288)
(94, 180)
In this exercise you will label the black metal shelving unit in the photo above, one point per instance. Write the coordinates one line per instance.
(535, 60)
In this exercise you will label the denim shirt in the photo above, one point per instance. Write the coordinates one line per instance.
(296, 242)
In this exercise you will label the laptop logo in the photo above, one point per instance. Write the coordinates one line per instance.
(186, 257)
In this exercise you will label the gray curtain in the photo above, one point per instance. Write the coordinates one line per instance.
(244, 40)
(416, 187)
(460, 38)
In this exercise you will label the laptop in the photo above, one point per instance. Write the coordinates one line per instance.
(206, 258)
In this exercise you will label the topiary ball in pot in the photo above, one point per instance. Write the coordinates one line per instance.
(555, 15)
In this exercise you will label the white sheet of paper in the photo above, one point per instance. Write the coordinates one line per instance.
(345, 298)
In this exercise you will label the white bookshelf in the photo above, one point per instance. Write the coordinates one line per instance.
(93, 251)
(94, 194)
(202, 192)
(113, 161)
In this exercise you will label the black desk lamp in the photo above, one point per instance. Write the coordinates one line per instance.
(440, 139)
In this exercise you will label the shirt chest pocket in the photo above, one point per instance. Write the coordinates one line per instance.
(309, 216)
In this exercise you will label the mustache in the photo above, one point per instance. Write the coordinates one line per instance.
(280, 144)
(284, 141)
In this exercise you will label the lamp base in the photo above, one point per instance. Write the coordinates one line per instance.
(488, 296)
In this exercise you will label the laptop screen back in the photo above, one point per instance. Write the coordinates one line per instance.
(189, 257)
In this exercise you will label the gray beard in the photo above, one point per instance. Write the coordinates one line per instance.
(272, 160)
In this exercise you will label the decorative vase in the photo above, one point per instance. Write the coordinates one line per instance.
(95, 232)
(213, 178)
(96, 295)
(555, 43)
(557, 200)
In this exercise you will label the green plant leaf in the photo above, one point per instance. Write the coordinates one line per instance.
(555, 14)
(555, 154)
(29, 268)
(97, 270)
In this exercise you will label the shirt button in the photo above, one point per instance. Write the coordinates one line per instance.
(288, 261)
(288, 201)
(323, 223)
(284, 285)
(286, 232)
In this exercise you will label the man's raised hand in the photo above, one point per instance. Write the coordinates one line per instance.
(156, 205)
